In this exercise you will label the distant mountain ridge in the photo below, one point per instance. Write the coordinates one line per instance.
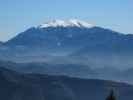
(71, 70)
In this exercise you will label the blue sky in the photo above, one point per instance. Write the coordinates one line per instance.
(18, 15)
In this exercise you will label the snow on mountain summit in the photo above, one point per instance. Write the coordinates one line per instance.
(66, 23)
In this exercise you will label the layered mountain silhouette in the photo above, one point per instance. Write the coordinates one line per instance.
(18, 86)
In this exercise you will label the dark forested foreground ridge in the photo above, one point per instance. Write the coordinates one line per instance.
(16, 86)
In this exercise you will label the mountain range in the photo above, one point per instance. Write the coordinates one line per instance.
(18, 86)
(73, 48)
(71, 41)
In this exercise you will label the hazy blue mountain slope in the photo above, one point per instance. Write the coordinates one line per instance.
(72, 70)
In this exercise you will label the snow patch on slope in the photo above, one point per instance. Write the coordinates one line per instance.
(66, 23)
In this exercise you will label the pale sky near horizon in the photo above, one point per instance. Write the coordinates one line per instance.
(18, 15)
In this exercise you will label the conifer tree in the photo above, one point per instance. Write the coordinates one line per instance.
(111, 96)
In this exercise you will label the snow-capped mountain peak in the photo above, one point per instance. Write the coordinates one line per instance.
(66, 23)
